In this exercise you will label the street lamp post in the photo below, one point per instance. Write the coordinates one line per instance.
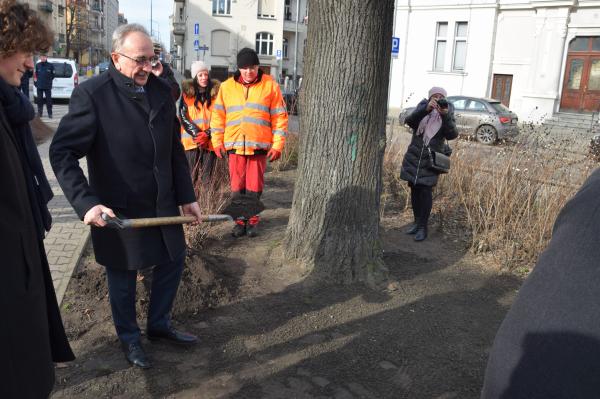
(151, 31)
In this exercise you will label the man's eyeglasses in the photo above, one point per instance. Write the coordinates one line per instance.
(142, 61)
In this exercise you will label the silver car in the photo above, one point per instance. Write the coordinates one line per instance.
(485, 119)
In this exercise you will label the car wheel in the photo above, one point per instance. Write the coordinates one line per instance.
(486, 134)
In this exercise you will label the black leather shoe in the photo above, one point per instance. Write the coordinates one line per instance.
(134, 353)
(173, 336)
(412, 229)
(421, 234)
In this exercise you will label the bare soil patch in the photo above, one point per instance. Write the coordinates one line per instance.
(266, 334)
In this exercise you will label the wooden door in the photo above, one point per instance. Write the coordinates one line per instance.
(266, 69)
(591, 91)
(573, 86)
(581, 90)
(501, 88)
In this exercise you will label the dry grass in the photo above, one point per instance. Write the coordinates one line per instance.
(508, 196)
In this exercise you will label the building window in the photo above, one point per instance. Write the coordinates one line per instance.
(460, 46)
(439, 56)
(287, 13)
(221, 7)
(266, 8)
(220, 42)
(285, 48)
(264, 43)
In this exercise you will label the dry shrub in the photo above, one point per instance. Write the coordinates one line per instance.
(212, 196)
(289, 155)
(510, 195)
(395, 192)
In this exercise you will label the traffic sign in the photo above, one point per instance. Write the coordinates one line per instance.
(197, 44)
(395, 46)
(278, 54)
(196, 29)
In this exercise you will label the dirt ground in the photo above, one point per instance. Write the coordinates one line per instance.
(264, 334)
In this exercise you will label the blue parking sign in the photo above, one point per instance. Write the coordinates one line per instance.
(395, 46)
(196, 28)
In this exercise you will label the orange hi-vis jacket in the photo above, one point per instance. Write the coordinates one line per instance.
(194, 119)
(249, 118)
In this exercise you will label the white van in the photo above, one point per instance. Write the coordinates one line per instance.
(65, 77)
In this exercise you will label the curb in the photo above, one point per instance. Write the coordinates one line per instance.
(61, 288)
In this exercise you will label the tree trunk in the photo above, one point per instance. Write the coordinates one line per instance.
(334, 223)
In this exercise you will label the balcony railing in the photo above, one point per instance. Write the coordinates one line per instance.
(46, 6)
(179, 28)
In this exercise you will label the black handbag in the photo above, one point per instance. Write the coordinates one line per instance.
(438, 161)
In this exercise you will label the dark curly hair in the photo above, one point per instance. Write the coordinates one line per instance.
(22, 30)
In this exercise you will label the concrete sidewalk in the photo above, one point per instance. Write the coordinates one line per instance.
(67, 238)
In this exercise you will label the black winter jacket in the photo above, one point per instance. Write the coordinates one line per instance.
(416, 163)
(44, 75)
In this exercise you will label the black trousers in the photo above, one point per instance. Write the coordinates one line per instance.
(44, 96)
(121, 292)
(421, 198)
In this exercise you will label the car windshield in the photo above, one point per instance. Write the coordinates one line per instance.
(500, 108)
(62, 70)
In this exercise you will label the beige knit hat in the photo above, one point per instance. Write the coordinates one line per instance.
(198, 66)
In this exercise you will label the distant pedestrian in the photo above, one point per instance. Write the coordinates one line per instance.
(32, 336)
(432, 123)
(195, 109)
(125, 123)
(25, 82)
(249, 122)
(44, 75)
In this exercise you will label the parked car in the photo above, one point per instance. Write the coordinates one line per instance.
(485, 119)
(102, 67)
(65, 77)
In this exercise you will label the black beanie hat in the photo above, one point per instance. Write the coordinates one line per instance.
(247, 57)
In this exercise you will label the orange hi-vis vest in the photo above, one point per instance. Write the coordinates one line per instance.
(195, 119)
(247, 118)
(197, 115)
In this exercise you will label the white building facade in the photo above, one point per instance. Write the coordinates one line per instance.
(538, 57)
(214, 31)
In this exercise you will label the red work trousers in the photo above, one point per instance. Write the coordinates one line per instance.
(247, 173)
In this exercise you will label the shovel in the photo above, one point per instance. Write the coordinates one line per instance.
(241, 206)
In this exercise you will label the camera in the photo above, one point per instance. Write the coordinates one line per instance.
(443, 103)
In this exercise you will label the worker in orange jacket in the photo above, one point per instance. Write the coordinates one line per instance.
(249, 122)
(195, 108)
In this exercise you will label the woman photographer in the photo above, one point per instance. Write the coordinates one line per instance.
(432, 123)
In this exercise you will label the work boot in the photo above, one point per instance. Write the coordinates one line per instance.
(252, 228)
(239, 229)
(421, 233)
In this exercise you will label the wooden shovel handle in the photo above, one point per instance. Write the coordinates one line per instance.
(162, 221)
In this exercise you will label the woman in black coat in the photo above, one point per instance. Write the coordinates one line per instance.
(32, 336)
(432, 123)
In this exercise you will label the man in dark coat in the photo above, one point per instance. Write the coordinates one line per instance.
(125, 123)
(44, 75)
(32, 336)
(548, 346)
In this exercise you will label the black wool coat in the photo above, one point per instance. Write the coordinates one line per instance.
(548, 346)
(32, 335)
(136, 166)
(416, 163)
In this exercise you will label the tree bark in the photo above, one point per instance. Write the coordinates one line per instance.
(334, 223)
